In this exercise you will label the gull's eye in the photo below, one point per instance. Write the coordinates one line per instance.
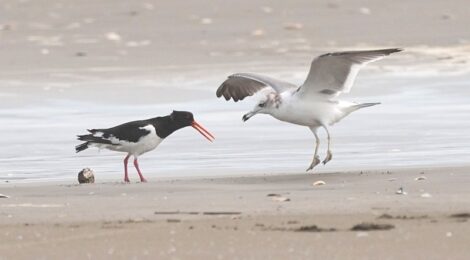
(262, 104)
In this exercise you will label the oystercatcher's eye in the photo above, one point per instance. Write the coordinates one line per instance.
(262, 104)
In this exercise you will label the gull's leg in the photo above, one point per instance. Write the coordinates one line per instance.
(136, 164)
(126, 176)
(316, 158)
(329, 155)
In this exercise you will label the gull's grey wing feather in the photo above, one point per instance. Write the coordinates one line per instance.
(241, 85)
(334, 73)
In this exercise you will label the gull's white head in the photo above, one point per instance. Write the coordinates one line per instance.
(265, 105)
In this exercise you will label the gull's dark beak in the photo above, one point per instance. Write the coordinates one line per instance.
(247, 116)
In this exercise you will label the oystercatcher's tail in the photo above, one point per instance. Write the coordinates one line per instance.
(91, 139)
(81, 147)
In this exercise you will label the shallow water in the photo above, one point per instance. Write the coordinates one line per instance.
(423, 121)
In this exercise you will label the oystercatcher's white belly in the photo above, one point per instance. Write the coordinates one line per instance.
(145, 143)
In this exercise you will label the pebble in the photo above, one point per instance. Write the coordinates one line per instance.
(420, 178)
(267, 9)
(364, 10)
(426, 195)
(293, 26)
(3, 196)
(258, 32)
(400, 191)
(319, 183)
(112, 36)
(280, 199)
(206, 21)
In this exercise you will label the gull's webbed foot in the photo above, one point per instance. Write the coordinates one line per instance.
(328, 157)
(315, 162)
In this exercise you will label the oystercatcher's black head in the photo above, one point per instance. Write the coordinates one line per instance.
(180, 119)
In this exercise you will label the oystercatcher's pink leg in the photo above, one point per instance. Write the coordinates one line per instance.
(136, 164)
(126, 177)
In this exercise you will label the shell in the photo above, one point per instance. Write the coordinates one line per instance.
(280, 199)
(426, 195)
(400, 191)
(319, 183)
(86, 176)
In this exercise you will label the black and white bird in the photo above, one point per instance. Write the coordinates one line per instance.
(138, 137)
(312, 104)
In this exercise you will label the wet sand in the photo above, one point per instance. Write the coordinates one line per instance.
(269, 216)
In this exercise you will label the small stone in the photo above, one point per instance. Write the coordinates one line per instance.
(112, 36)
(280, 199)
(267, 9)
(400, 191)
(3, 196)
(206, 21)
(426, 195)
(364, 10)
(86, 176)
(319, 183)
(293, 26)
(420, 178)
(258, 32)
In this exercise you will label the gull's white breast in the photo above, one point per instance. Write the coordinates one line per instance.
(310, 112)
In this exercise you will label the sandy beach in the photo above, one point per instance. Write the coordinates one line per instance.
(269, 216)
(397, 188)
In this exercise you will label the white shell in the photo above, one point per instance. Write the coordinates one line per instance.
(426, 195)
(280, 199)
(318, 183)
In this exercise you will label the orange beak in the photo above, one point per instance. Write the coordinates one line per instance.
(203, 131)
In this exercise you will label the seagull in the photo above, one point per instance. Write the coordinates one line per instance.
(312, 104)
(138, 137)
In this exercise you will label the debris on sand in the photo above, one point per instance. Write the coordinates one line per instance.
(258, 32)
(400, 191)
(426, 195)
(460, 215)
(364, 10)
(403, 217)
(319, 183)
(86, 176)
(371, 226)
(293, 26)
(218, 213)
(3, 196)
(314, 228)
(420, 178)
(280, 199)
(112, 36)
(206, 20)
(277, 197)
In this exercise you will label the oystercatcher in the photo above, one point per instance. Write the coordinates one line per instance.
(312, 104)
(138, 137)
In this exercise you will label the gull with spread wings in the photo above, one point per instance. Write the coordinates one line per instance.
(312, 104)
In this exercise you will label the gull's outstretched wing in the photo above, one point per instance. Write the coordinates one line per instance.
(241, 85)
(334, 73)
